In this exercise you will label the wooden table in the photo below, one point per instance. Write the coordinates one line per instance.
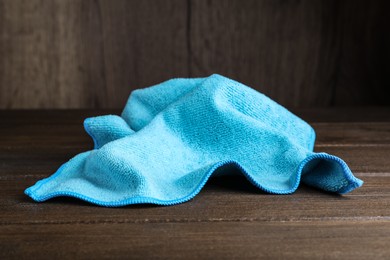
(228, 219)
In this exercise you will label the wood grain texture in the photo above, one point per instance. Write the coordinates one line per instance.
(144, 44)
(51, 54)
(222, 200)
(228, 219)
(363, 75)
(227, 240)
(92, 53)
(286, 49)
(74, 54)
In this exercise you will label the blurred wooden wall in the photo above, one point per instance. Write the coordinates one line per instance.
(91, 54)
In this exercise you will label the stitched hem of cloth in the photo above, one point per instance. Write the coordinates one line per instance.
(352, 183)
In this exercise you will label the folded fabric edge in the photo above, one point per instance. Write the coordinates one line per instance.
(106, 128)
(353, 183)
(89, 132)
(136, 200)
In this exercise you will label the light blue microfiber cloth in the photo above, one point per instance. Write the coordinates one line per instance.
(173, 136)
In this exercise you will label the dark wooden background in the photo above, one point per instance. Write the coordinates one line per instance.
(91, 54)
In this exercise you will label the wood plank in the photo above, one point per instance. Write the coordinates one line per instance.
(28, 116)
(145, 43)
(352, 134)
(312, 115)
(363, 78)
(51, 54)
(344, 114)
(228, 219)
(363, 160)
(75, 54)
(324, 240)
(327, 134)
(226, 198)
(67, 124)
(222, 199)
(286, 49)
(49, 138)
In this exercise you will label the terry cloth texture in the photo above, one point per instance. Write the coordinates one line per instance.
(173, 136)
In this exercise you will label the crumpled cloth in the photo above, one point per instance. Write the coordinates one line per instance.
(172, 137)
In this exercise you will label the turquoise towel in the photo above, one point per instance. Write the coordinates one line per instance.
(173, 136)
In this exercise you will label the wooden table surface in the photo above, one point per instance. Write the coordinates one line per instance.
(228, 219)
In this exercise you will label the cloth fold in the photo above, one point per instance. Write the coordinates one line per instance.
(170, 138)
